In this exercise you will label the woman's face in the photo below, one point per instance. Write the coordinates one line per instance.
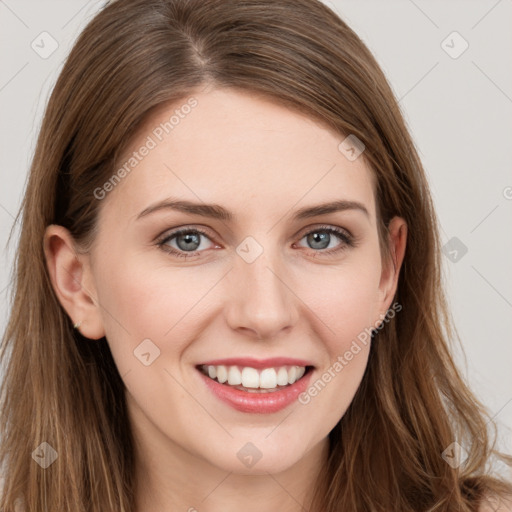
(259, 282)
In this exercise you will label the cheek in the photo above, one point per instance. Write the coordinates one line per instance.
(345, 302)
(139, 303)
(345, 306)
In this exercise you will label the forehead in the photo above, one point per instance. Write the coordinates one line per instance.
(237, 149)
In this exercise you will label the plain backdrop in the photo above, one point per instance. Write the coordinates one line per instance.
(449, 65)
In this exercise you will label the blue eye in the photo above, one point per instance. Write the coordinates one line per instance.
(320, 238)
(188, 241)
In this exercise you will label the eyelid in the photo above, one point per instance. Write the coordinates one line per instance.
(320, 227)
(185, 228)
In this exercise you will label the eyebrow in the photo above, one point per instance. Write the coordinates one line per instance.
(216, 211)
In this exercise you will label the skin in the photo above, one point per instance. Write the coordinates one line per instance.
(262, 162)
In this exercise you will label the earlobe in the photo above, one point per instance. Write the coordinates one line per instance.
(67, 271)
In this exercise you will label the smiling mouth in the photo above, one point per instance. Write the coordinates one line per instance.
(252, 380)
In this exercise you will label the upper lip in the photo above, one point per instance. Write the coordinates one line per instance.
(273, 362)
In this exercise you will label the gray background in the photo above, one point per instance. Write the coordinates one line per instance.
(458, 111)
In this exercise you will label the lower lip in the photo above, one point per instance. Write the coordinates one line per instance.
(260, 403)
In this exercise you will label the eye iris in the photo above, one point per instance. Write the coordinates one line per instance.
(189, 238)
(319, 236)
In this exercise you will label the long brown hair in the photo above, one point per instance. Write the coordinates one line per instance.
(134, 56)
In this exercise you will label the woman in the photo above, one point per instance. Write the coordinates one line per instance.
(297, 357)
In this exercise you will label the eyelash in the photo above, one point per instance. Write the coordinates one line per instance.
(348, 240)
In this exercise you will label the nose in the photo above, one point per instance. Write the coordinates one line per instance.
(261, 301)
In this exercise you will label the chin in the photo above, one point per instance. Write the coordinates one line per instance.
(246, 457)
(273, 465)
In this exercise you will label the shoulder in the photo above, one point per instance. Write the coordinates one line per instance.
(494, 504)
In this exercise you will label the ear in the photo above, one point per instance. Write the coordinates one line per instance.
(72, 281)
(397, 239)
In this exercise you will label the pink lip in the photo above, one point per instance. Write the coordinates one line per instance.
(258, 363)
(260, 403)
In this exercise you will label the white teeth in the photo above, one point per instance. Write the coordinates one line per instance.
(212, 372)
(222, 374)
(268, 378)
(282, 377)
(234, 376)
(251, 378)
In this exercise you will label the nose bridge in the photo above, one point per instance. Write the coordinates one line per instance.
(262, 300)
